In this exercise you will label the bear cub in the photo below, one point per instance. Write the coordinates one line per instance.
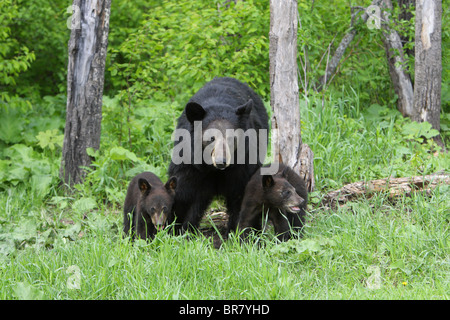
(283, 197)
(149, 202)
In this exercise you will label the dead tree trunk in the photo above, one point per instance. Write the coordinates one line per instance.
(397, 66)
(428, 63)
(284, 94)
(393, 186)
(87, 54)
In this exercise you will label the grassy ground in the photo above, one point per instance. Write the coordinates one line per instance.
(70, 247)
(364, 250)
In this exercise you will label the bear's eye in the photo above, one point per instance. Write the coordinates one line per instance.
(286, 193)
(152, 210)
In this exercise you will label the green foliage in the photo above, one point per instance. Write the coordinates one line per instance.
(15, 57)
(375, 143)
(31, 140)
(181, 45)
(41, 26)
(304, 249)
(363, 66)
(25, 291)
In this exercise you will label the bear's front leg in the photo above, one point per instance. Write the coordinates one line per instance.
(233, 202)
(195, 212)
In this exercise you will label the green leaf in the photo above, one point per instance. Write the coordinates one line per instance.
(92, 152)
(50, 139)
(11, 125)
(72, 232)
(26, 230)
(25, 291)
(84, 204)
(399, 264)
(417, 130)
(119, 153)
(41, 184)
(7, 246)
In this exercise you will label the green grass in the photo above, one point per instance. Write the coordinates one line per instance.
(367, 249)
(408, 242)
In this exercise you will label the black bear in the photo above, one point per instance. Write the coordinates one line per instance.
(149, 202)
(281, 198)
(222, 141)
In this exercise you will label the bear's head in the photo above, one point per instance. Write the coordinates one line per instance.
(223, 129)
(279, 193)
(156, 202)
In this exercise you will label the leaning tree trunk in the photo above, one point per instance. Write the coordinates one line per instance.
(397, 67)
(428, 63)
(284, 94)
(87, 54)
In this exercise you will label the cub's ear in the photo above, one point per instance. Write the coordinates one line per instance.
(194, 112)
(171, 184)
(245, 108)
(285, 172)
(144, 186)
(267, 182)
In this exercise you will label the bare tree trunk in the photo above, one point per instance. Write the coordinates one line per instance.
(87, 54)
(428, 63)
(397, 67)
(284, 98)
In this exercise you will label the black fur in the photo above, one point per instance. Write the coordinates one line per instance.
(222, 103)
(274, 196)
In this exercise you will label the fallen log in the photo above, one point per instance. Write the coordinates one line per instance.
(394, 186)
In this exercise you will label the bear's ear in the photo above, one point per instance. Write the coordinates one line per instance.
(144, 186)
(194, 112)
(285, 172)
(171, 184)
(245, 108)
(267, 182)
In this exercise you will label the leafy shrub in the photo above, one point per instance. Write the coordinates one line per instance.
(180, 45)
(15, 57)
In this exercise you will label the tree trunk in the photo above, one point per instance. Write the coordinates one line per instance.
(428, 63)
(284, 94)
(397, 67)
(87, 54)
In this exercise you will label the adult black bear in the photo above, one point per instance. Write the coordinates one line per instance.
(149, 201)
(218, 149)
(281, 197)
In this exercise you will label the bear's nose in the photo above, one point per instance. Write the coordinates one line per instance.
(221, 164)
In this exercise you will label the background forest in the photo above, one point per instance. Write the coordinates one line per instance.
(159, 54)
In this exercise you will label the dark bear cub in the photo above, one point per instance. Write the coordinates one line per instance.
(149, 202)
(282, 197)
